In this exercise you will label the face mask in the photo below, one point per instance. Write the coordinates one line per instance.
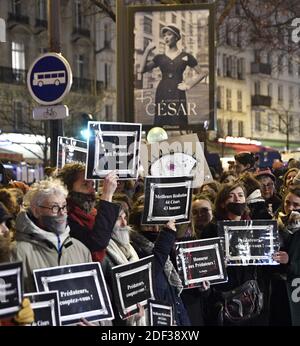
(236, 208)
(121, 235)
(54, 224)
(85, 201)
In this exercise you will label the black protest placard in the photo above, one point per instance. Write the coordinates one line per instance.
(167, 198)
(200, 260)
(81, 288)
(133, 284)
(11, 288)
(70, 150)
(113, 146)
(160, 314)
(45, 306)
(249, 242)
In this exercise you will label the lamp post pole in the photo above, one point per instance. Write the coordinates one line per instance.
(54, 32)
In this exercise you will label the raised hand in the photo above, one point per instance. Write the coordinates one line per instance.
(109, 186)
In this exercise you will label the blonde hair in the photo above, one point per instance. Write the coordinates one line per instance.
(41, 190)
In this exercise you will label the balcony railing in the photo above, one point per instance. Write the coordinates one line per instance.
(261, 100)
(14, 17)
(87, 86)
(12, 76)
(41, 23)
(81, 32)
(261, 68)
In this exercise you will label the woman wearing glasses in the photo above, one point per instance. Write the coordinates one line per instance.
(42, 234)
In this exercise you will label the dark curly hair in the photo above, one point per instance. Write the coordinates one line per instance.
(69, 174)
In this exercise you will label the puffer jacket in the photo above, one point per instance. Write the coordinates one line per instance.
(39, 249)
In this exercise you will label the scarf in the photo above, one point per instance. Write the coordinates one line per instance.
(169, 269)
(80, 216)
(121, 254)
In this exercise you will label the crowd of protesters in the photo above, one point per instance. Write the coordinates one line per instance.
(63, 220)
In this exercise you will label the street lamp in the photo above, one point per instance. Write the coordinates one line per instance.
(85, 118)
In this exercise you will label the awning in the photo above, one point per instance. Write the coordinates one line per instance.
(7, 155)
(230, 149)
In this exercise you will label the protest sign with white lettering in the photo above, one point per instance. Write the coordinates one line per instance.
(133, 284)
(45, 306)
(200, 260)
(250, 241)
(82, 291)
(167, 198)
(113, 146)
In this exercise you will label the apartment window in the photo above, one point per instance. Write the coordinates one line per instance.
(269, 58)
(239, 38)
(228, 35)
(107, 75)
(298, 70)
(80, 66)
(42, 9)
(257, 87)
(241, 129)
(234, 67)
(147, 25)
(270, 89)
(229, 128)
(18, 115)
(239, 101)
(290, 67)
(224, 65)
(16, 7)
(229, 67)
(174, 18)
(291, 96)
(240, 68)
(79, 20)
(220, 97)
(299, 125)
(257, 124)
(299, 96)
(183, 40)
(280, 94)
(107, 35)
(183, 26)
(228, 100)
(220, 129)
(18, 57)
(257, 55)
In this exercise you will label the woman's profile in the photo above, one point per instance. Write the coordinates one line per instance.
(171, 107)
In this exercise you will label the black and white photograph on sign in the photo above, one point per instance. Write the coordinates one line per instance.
(82, 291)
(167, 198)
(113, 146)
(176, 156)
(249, 242)
(200, 260)
(160, 314)
(11, 288)
(45, 306)
(70, 150)
(171, 60)
(133, 284)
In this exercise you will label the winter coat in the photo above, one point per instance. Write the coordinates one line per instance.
(94, 229)
(167, 285)
(39, 249)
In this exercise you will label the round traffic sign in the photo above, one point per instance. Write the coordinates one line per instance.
(49, 78)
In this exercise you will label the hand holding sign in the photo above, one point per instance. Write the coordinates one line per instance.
(109, 186)
(281, 257)
(25, 315)
(171, 225)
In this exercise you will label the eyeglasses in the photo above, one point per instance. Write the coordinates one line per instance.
(56, 208)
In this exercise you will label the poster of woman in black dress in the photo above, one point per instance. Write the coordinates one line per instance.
(172, 67)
